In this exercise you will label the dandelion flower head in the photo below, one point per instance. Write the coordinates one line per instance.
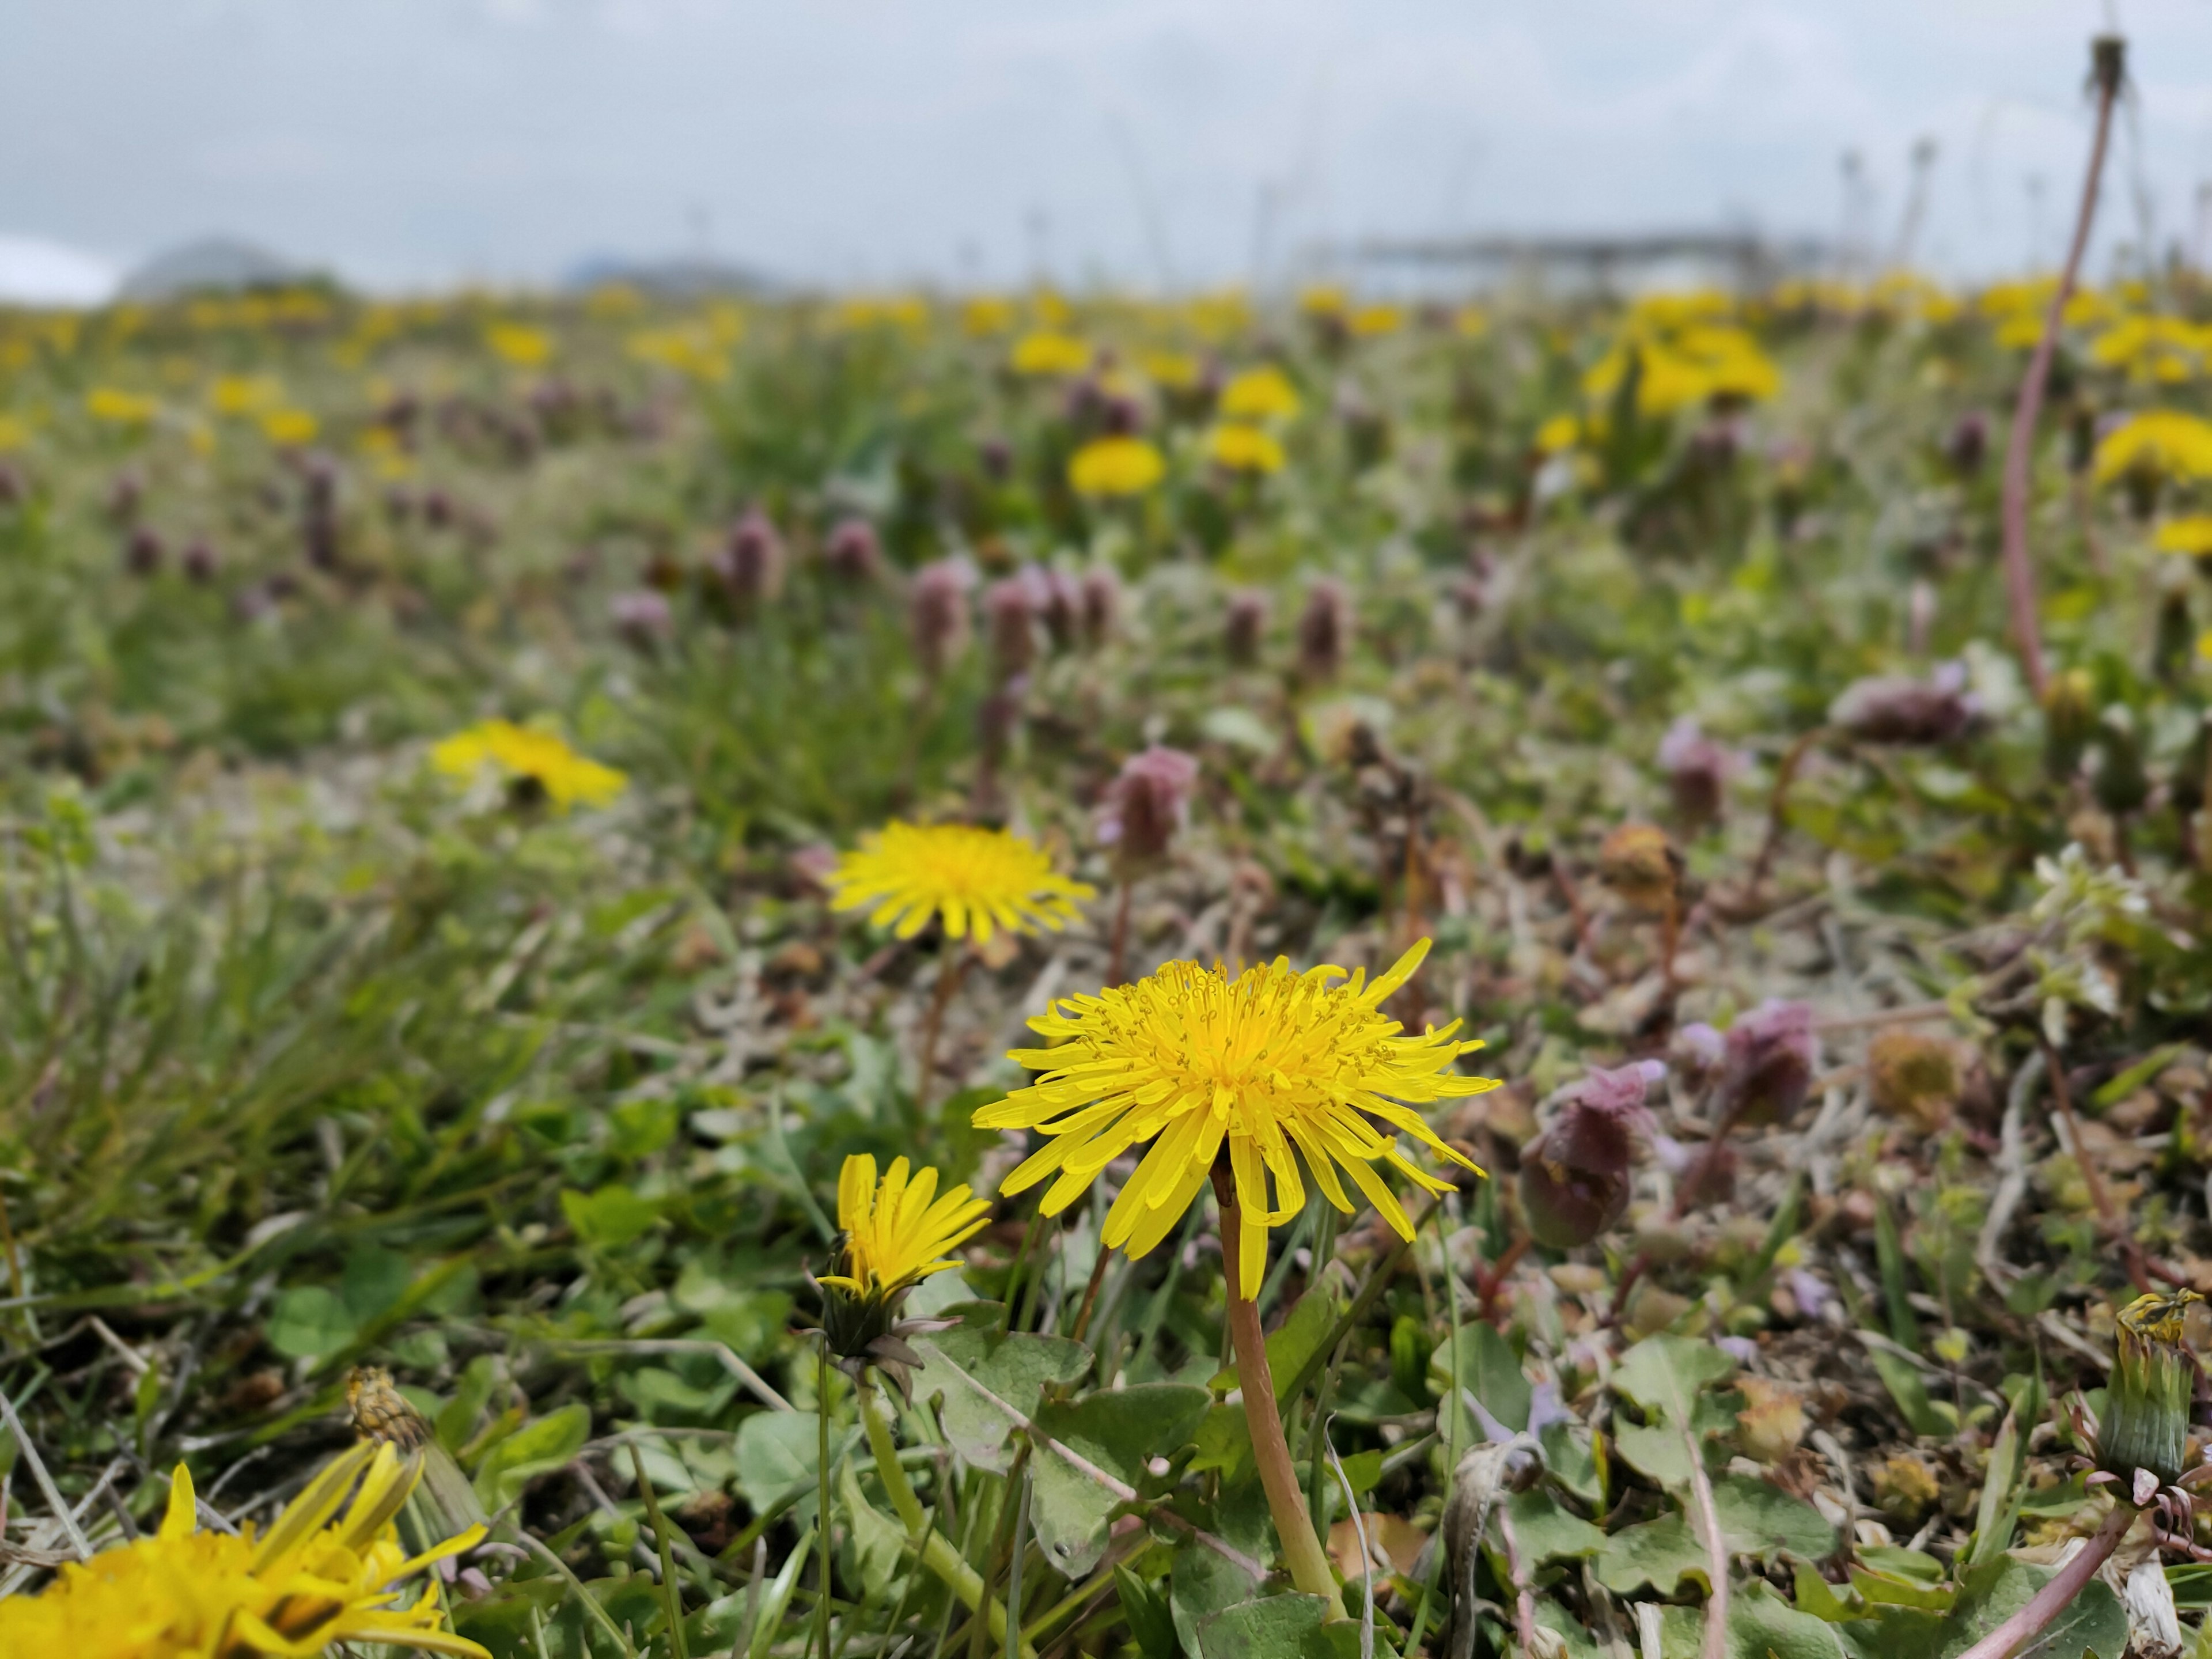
(1264, 393)
(897, 1231)
(1049, 352)
(1115, 467)
(980, 881)
(2192, 535)
(1272, 1067)
(321, 1576)
(1241, 448)
(528, 754)
(2162, 442)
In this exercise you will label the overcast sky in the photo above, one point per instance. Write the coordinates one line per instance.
(868, 142)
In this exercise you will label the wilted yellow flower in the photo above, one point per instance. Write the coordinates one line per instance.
(980, 881)
(1049, 353)
(2192, 535)
(288, 428)
(897, 1234)
(1243, 448)
(1115, 467)
(2159, 441)
(119, 408)
(1271, 1065)
(524, 347)
(1264, 393)
(528, 754)
(321, 1576)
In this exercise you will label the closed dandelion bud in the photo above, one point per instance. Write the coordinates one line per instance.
(1322, 626)
(1640, 863)
(2117, 779)
(143, 549)
(2145, 1424)
(1147, 805)
(1575, 1180)
(1247, 623)
(1101, 600)
(199, 560)
(1895, 708)
(1698, 771)
(749, 565)
(936, 614)
(1767, 1063)
(1009, 615)
(1968, 445)
(1914, 1077)
(2069, 718)
(854, 553)
(642, 618)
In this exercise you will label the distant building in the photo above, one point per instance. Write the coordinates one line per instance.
(214, 264)
(682, 277)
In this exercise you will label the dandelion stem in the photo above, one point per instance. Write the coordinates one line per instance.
(2019, 442)
(821, 1468)
(950, 972)
(1302, 1554)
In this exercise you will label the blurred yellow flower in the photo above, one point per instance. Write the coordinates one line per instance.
(14, 434)
(2192, 535)
(119, 408)
(1324, 300)
(1560, 432)
(1115, 467)
(1264, 1068)
(289, 429)
(530, 755)
(1263, 393)
(241, 394)
(1175, 370)
(1471, 322)
(1053, 314)
(1369, 321)
(1690, 367)
(518, 344)
(1243, 448)
(988, 314)
(614, 300)
(979, 881)
(692, 351)
(2162, 442)
(1049, 353)
(322, 1575)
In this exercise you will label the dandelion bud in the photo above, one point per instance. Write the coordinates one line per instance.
(2147, 1402)
(2117, 779)
(1009, 615)
(1968, 445)
(1639, 862)
(997, 458)
(1322, 626)
(1767, 1063)
(1697, 770)
(2069, 718)
(1575, 1181)
(1101, 599)
(143, 550)
(199, 560)
(1147, 805)
(749, 565)
(938, 614)
(1894, 708)
(438, 509)
(1247, 620)
(642, 618)
(853, 554)
(1914, 1077)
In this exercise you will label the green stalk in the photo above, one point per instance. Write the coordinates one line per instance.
(821, 1426)
(936, 1550)
(668, 1590)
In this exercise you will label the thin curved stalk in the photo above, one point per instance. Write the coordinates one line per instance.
(2058, 1591)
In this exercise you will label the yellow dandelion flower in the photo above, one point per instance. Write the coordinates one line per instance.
(119, 408)
(524, 347)
(1369, 322)
(1243, 448)
(1471, 323)
(897, 1233)
(243, 394)
(321, 1576)
(1270, 1067)
(289, 429)
(1560, 432)
(1264, 393)
(14, 434)
(2192, 535)
(986, 314)
(1177, 371)
(2159, 440)
(1048, 352)
(980, 881)
(1115, 467)
(529, 755)
(1325, 300)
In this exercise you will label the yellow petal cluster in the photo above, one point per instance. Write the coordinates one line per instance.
(2164, 441)
(532, 754)
(322, 1575)
(1115, 467)
(1272, 1067)
(1684, 367)
(980, 881)
(898, 1232)
(1243, 448)
(1264, 393)
(2192, 535)
(1047, 352)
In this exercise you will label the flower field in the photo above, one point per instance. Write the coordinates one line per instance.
(1033, 975)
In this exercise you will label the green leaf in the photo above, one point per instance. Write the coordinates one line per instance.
(309, 1322)
(987, 1372)
(1201, 1582)
(1150, 1622)
(1999, 1511)
(777, 1452)
(1761, 1520)
(1118, 1430)
(609, 1218)
(539, 1447)
(1489, 1369)
(876, 1541)
(1545, 1532)
(1816, 1595)
(1277, 1627)
(1667, 1373)
(1762, 1626)
(1225, 1442)
(1658, 1553)
(1570, 1458)
(1923, 1415)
